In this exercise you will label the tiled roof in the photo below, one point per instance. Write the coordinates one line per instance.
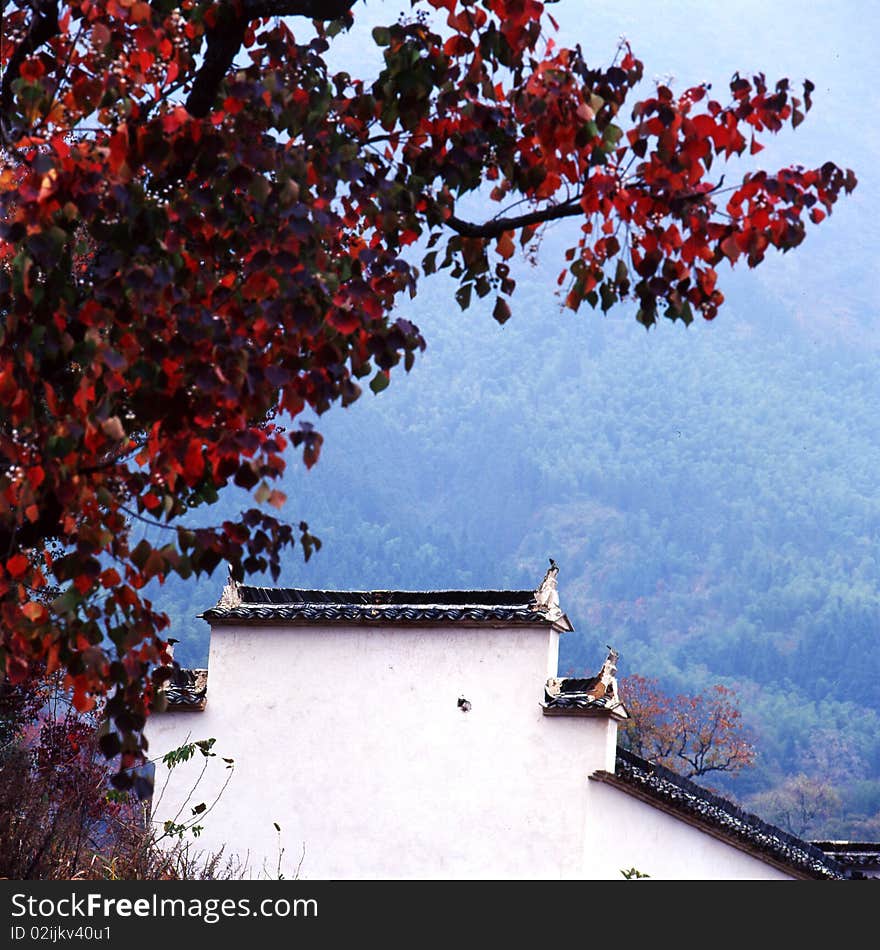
(594, 694)
(852, 854)
(263, 605)
(719, 816)
(187, 690)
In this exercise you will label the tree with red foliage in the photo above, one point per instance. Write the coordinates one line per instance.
(203, 232)
(60, 817)
(56, 820)
(692, 735)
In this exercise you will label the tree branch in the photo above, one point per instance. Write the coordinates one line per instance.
(225, 39)
(44, 26)
(496, 226)
(223, 43)
(314, 9)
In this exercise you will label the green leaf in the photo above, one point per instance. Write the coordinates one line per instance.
(334, 27)
(382, 35)
(379, 382)
(259, 188)
(68, 602)
(611, 136)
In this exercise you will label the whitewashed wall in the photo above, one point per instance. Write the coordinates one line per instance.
(351, 739)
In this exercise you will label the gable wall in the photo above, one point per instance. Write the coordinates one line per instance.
(634, 834)
(351, 739)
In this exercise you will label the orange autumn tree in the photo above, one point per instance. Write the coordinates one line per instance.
(692, 735)
(204, 232)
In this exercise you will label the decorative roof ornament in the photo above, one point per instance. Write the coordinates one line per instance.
(547, 595)
(187, 691)
(573, 695)
(231, 596)
(607, 675)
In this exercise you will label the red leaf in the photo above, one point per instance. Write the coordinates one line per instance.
(35, 612)
(17, 565)
(505, 245)
(17, 669)
(194, 462)
(82, 702)
(32, 69)
(118, 149)
(344, 320)
(150, 501)
(83, 583)
(110, 577)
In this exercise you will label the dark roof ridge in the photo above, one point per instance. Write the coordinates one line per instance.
(389, 590)
(832, 844)
(250, 594)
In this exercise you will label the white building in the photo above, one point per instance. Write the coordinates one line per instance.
(400, 734)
